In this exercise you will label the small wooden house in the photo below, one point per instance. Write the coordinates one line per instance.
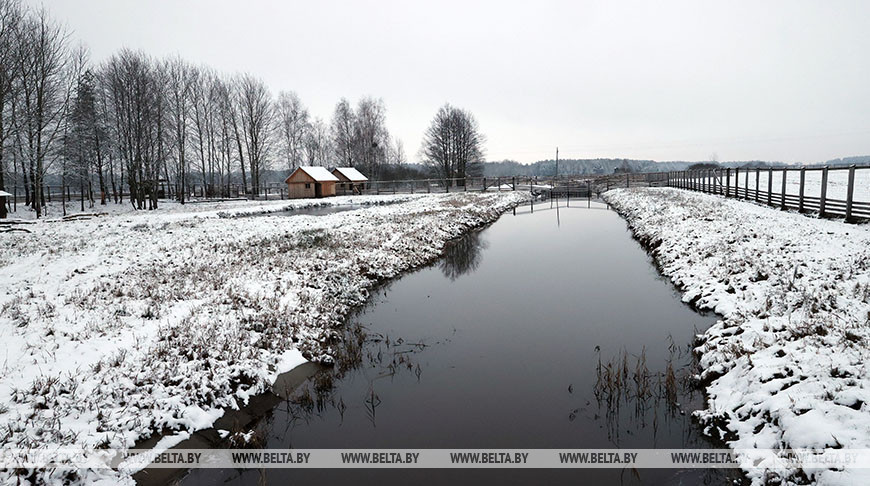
(306, 182)
(350, 179)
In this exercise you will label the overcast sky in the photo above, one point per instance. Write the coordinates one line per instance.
(787, 81)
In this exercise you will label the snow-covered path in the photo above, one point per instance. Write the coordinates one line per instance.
(786, 367)
(119, 326)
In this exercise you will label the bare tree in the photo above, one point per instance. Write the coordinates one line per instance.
(206, 126)
(342, 133)
(227, 123)
(255, 110)
(139, 111)
(396, 153)
(370, 135)
(46, 84)
(453, 145)
(291, 123)
(318, 144)
(180, 77)
(85, 142)
(11, 17)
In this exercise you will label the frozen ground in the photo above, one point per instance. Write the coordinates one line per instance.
(786, 367)
(118, 326)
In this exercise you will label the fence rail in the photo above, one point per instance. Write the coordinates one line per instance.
(830, 192)
(834, 192)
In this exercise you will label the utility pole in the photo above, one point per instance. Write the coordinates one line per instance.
(557, 161)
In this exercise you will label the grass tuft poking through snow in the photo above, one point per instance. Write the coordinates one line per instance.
(118, 327)
(786, 366)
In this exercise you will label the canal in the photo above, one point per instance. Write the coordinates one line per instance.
(551, 328)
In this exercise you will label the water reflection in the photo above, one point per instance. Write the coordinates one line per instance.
(557, 338)
(462, 255)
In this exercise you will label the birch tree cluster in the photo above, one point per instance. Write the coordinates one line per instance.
(135, 129)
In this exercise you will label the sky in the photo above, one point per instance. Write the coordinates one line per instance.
(666, 80)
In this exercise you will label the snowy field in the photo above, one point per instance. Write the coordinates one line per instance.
(121, 325)
(786, 367)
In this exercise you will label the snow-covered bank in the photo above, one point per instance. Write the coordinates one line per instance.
(206, 209)
(119, 326)
(786, 367)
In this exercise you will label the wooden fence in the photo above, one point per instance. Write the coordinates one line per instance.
(830, 192)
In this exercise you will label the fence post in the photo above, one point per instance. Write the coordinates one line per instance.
(465, 184)
(727, 181)
(428, 186)
(737, 182)
(627, 180)
(769, 187)
(801, 192)
(757, 177)
(515, 183)
(784, 176)
(824, 193)
(850, 192)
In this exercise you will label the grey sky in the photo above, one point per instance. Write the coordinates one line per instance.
(785, 81)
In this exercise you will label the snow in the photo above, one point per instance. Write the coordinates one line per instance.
(352, 174)
(115, 327)
(206, 209)
(786, 366)
(320, 174)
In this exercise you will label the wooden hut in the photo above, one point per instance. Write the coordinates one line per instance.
(350, 180)
(307, 182)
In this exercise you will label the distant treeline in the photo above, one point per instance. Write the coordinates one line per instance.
(547, 168)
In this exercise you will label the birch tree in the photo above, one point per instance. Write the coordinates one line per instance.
(181, 77)
(342, 132)
(255, 116)
(10, 26)
(46, 83)
(291, 124)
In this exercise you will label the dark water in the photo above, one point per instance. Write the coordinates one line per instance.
(511, 340)
(310, 211)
